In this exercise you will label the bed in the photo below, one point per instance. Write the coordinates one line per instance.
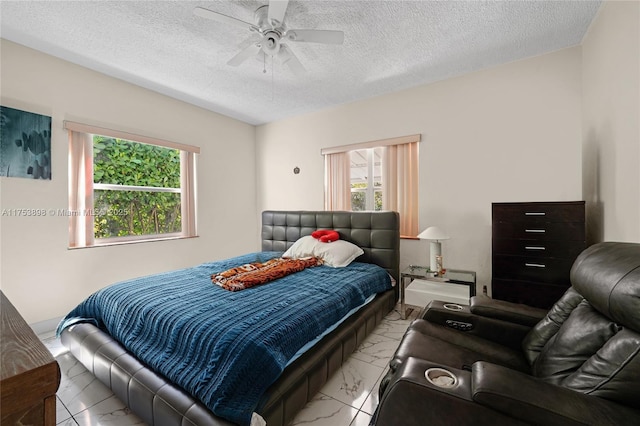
(160, 401)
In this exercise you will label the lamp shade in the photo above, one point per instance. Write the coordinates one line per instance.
(433, 233)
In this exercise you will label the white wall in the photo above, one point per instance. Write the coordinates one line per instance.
(510, 133)
(542, 129)
(611, 123)
(44, 279)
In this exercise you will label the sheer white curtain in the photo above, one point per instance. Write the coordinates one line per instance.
(337, 192)
(80, 189)
(400, 184)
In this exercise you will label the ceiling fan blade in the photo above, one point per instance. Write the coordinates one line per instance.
(289, 59)
(219, 17)
(244, 54)
(316, 36)
(277, 9)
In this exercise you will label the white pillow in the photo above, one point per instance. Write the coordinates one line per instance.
(337, 254)
(303, 247)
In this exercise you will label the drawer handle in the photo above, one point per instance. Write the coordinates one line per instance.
(539, 231)
(534, 213)
(535, 265)
(534, 248)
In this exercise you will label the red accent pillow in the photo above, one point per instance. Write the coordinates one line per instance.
(325, 235)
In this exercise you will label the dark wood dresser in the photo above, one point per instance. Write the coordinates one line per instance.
(534, 246)
(29, 377)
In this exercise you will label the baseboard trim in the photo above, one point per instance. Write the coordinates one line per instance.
(45, 326)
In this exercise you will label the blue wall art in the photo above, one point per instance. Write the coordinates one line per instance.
(25, 144)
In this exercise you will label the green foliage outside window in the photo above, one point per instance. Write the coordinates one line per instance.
(124, 213)
(359, 198)
(358, 201)
(377, 201)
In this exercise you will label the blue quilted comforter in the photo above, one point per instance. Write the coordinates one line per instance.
(226, 348)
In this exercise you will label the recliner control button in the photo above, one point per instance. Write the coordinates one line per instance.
(459, 325)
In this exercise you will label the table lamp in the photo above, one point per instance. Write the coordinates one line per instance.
(434, 234)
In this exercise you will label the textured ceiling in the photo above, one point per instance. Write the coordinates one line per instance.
(389, 45)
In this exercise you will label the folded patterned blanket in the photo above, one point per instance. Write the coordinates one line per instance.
(253, 274)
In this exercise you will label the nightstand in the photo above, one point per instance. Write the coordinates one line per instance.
(440, 286)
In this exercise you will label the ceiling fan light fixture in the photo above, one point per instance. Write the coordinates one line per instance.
(270, 24)
(271, 43)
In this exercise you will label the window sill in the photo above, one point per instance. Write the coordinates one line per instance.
(127, 240)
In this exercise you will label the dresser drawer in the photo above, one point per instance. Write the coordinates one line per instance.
(548, 231)
(539, 212)
(529, 293)
(547, 270)
(534, 246)
(538, 248)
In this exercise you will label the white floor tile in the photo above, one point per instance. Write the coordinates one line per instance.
(362, 419)
(111, 411)
(325, 411)
(55, 347)
(353, 382)
(376, 349)
(392, 326)
(62, 413)
(81, 392)
(69, 422)
(371, 403)
(69, 366)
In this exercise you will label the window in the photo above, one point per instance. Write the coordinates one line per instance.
(136, 188)
(125, 188)
(372, 176)
(366, 179)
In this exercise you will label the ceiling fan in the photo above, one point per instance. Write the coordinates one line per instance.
(273, 34)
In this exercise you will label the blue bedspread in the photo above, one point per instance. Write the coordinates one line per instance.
(226, 348)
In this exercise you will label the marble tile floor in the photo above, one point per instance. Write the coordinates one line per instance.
(349, 398)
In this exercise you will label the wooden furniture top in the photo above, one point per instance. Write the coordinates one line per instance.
(29, 372)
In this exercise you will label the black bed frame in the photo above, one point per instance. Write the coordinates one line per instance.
(159, 402)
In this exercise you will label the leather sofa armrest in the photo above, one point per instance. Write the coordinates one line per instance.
(512, 312)
(411, 400)
(527, 398)
(503, 332)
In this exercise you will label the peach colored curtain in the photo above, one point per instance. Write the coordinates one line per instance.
(400, 184)
(80, 189)
(337, 188)
(188, 193)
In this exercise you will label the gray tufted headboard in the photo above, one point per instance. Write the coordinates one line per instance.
(377, 233)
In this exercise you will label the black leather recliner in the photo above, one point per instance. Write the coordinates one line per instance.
(500, 363)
